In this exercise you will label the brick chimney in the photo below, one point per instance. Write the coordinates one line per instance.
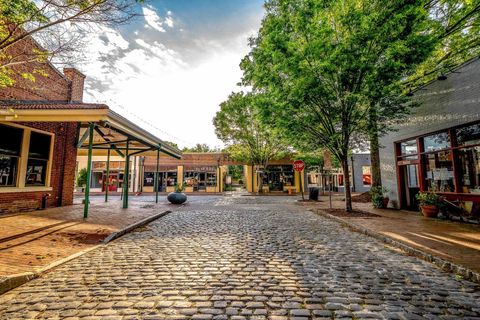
(76, 84)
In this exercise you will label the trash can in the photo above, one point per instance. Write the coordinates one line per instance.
(313, 193)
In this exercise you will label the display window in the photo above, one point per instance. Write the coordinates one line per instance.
(450, 163)
(9, 154)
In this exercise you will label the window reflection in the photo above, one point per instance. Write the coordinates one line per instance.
(469, 159)
(409, 147)
(439, 172)
(468, 135)
(436, 142)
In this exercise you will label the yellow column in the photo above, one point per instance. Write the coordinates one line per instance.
(248, 178)
(298, 182)
(180, 175)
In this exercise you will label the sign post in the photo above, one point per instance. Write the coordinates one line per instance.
(299, 165)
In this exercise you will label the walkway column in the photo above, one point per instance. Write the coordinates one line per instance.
(107, 183)
(156, 176)
(125, 177)
(89, 170)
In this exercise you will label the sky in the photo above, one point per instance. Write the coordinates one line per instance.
(169, 70)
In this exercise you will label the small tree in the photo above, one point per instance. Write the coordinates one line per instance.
(239, 126)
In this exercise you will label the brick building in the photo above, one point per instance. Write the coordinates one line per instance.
(199, 172)
(38, 158)
(43, 123)
(438, 148)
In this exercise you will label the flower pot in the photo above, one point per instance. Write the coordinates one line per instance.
(429, 211)
(385, 202)
(177, 197)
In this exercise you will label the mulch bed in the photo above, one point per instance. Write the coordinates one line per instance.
(353, 214)
(362, 198)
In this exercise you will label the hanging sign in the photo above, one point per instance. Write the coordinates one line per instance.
(298, 165)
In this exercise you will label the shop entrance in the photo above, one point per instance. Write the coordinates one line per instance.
(409, 182)
(112, 181)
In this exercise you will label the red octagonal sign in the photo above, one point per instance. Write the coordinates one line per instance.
(298, 165)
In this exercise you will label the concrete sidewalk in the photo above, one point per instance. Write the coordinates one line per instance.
(36, 239)
(456, 242)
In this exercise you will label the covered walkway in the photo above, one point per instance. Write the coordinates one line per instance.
(101, 131)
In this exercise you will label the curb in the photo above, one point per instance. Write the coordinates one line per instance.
(133, 226)
(10, 282)
(443, 264)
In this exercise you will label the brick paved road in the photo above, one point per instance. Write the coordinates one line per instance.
(239, 258)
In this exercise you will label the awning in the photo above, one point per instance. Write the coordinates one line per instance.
(111, 129)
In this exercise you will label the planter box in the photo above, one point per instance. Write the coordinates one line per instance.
(188, 189)
(147, 189)
(211, 189)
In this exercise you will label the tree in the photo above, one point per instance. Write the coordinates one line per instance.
(248, 139)
(57, 25)
(320, 60)
(201, 147)
(456, 26)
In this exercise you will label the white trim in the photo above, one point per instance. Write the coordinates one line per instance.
(24, 189)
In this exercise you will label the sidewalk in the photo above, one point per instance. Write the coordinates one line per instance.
(36, 239)
(456, 242)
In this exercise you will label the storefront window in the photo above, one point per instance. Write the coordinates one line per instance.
(9, 153)
(436, 142)
(211, 179)
(149, 179)
(97, 180)
(38, 155)
(171, 179)
(439, 172)
(277, 177)
(408, 147)
(469, 159)
(367, 175)
(468, 136)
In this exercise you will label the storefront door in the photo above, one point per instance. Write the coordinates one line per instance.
(112, 182)
(410, 186)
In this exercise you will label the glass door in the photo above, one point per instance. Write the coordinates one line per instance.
(411, 186)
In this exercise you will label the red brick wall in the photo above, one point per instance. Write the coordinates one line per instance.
(51, 86)
(62, 174)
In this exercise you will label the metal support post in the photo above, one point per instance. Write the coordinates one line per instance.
(156, 176)
(89, 171)
(126, 177)
(107, 182)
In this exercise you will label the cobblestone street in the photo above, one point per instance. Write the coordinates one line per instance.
(243, 257)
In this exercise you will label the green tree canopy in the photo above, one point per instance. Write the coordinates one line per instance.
(321, 60)
(201, 147)
(248, 139)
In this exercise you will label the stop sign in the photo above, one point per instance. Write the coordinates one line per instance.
(298, 165)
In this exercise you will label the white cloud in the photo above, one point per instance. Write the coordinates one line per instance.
(154, 21)
(147, 80)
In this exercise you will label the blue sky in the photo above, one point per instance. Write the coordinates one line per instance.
(170, 69)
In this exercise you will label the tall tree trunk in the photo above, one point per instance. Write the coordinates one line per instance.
(374, 148)
(346, 178)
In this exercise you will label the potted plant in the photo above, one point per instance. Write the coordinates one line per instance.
(430, 203)
(379, 197)
(82, 179)
(177, 197)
